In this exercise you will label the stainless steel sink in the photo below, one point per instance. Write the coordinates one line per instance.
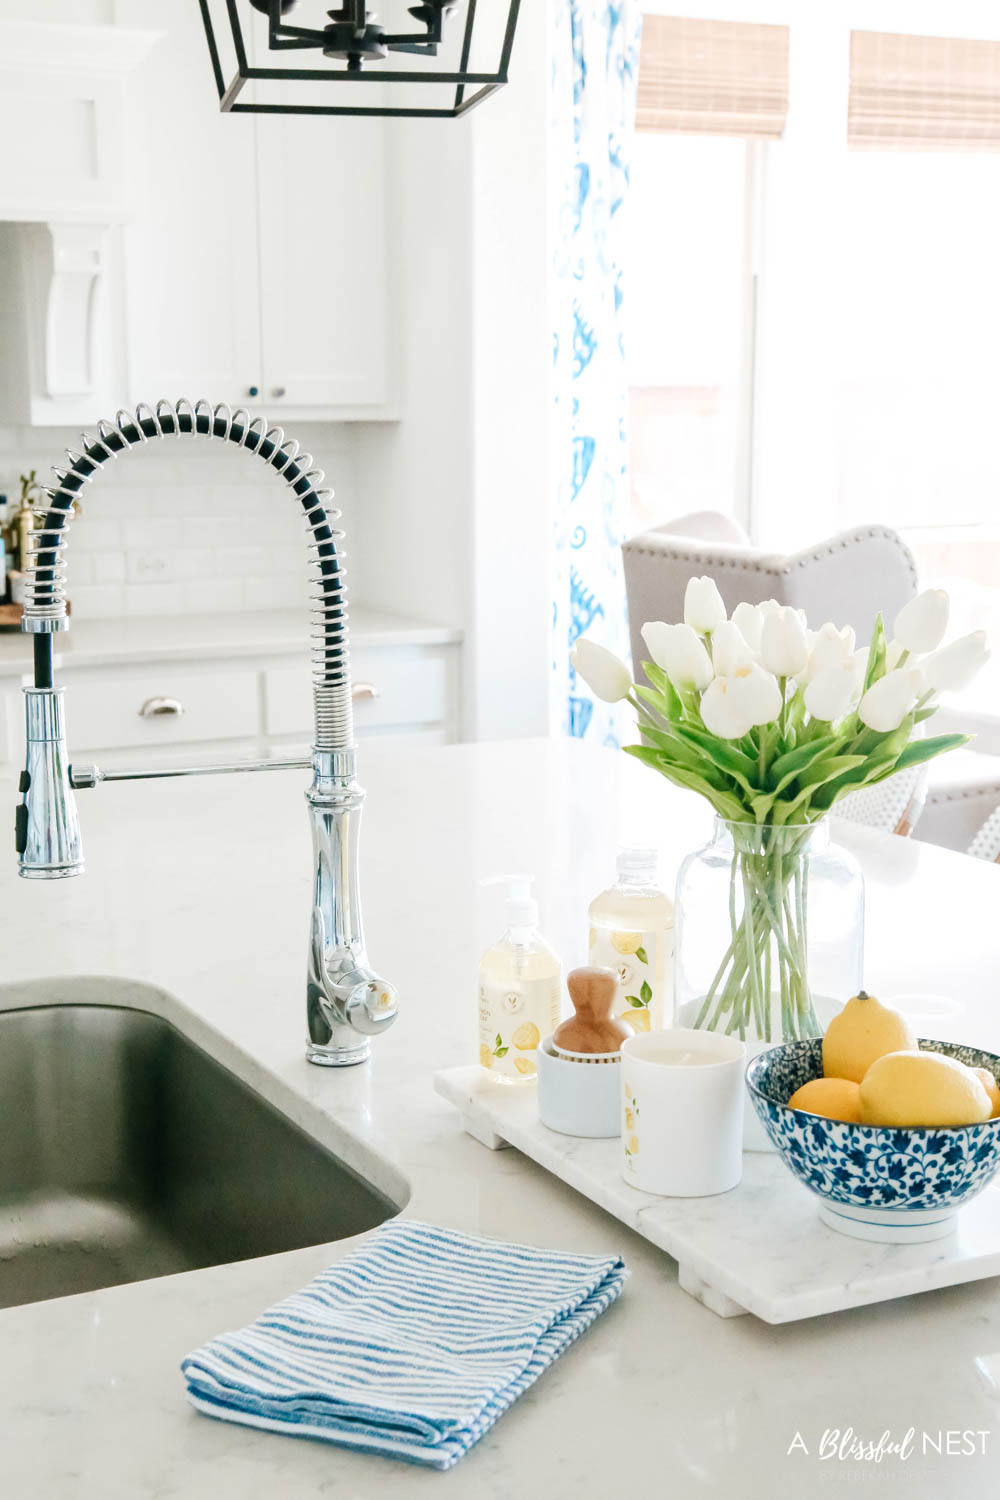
(126, 1152)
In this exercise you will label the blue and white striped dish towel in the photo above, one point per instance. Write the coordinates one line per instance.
(412, 1345)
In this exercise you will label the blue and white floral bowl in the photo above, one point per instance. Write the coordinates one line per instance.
(876, 1182)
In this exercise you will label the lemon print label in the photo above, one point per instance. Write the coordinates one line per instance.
(514, 1016)
(643, 962)
(630, 1129)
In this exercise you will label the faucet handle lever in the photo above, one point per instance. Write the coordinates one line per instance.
(350, 992)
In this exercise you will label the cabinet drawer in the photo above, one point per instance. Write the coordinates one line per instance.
(107, 710)
(409, 687)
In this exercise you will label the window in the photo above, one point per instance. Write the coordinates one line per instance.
(814, 310)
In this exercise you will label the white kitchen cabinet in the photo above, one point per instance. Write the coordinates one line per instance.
(256, 263)
(229, 687)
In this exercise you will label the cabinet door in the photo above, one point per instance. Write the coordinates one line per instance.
(322, 255)
(193, 268)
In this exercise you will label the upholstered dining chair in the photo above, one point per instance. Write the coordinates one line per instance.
(848, 578)
(986, 844)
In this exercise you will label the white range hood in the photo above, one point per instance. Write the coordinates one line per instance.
(67, 124)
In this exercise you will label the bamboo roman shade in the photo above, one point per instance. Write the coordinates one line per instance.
(713, 77)
(923, 93)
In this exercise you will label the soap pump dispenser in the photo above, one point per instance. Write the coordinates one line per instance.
(520, 980)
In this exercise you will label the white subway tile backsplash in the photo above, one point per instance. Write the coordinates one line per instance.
(195, 562)
(91, 534)
(218, 596)
(81, 569)
(154, 599)
(275, 593)
(194, 527)
(150, 532)
(97, 601)
(107, 567)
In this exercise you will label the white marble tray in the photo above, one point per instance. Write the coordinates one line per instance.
(759, 1249)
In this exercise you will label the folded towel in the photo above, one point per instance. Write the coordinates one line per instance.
(412, 1346)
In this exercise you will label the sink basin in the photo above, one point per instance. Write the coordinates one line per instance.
(126, 1152)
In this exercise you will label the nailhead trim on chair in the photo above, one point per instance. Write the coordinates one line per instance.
(943, 797)
(714, 560)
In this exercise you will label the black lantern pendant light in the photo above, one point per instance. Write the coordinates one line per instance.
(443, 43)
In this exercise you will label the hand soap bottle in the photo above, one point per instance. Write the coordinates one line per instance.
(632, 932)
(520, 984)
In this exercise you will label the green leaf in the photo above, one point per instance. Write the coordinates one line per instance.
(831, 770)
(645, 992)
(875, 666)
(726, 757)
(873, 768)
(920, 750)
(787, 767)
(635, 1002)
(670, 695)
(499, 1040)
(501, 1052)
(726, 804)
(761, 806)
(640, 954)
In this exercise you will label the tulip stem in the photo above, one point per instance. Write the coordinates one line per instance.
(761, 987)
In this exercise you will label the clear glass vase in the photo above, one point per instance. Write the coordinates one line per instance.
(770, 931)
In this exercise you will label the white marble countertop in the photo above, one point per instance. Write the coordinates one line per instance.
(101, 643)
(202, 888)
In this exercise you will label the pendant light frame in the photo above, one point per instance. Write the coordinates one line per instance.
(483, 84)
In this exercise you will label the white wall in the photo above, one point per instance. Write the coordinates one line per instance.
(462, 479)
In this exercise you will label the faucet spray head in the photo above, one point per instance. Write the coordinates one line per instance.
(47, 826)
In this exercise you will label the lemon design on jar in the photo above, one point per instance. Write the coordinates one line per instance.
(527, 1037)
(627, 942)
(631, 1132)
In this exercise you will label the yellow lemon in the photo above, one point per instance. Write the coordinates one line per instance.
(485, 1055)
(525, 1066)
(991, 1086)
(626, 942)
(922, 1088)
(632, 1145)
(863, 1031)
(526, 1038)
(629, 1119)
(638, 1018)
(834, 1098)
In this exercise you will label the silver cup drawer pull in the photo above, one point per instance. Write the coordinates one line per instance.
(155, 708)
(362, 690)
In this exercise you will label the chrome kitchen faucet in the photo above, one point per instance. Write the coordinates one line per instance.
(346, 1002)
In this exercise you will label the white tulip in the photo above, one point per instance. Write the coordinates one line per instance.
(656, 634)
(757, 691)
(681, 653)
(784, 649)
(829, 647)
(835, 689)
(603, 672)
(953, 667)
(748, 618)
(722, 713)
(888, 701)
(893, 655)
(729, 648)
(921, 624)
(731, 706)
(703, 606)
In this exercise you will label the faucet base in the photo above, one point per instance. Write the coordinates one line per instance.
(338, 1057)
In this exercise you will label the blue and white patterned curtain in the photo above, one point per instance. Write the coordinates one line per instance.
(594, 74)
